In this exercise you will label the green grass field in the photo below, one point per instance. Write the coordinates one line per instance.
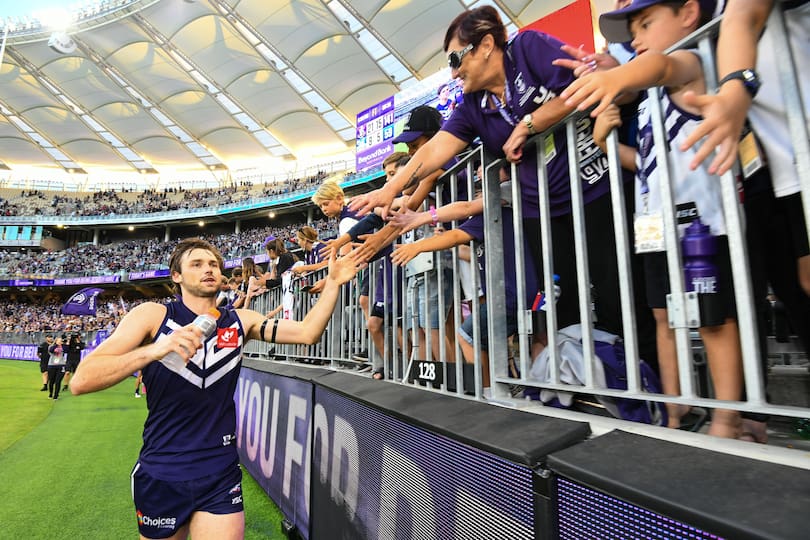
(65, 464)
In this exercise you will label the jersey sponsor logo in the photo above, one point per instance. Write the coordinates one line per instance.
(236, 500)
(227, 338)
(158, 522)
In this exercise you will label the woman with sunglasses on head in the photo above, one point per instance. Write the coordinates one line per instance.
(511, 92)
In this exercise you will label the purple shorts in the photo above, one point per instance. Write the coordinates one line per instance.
(163, 507)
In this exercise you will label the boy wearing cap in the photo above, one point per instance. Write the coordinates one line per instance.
(654, 26)
(422, 123)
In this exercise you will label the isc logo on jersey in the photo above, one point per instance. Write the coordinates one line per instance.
(159, 522)
(227, 338)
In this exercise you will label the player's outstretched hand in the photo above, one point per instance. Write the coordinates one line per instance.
(342, 269)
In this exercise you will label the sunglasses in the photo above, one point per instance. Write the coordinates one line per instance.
(455, 57)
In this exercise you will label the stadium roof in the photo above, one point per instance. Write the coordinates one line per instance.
(168, 85)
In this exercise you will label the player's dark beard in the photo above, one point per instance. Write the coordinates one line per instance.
(198, 290)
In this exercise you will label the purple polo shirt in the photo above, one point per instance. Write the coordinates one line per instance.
(531, 82)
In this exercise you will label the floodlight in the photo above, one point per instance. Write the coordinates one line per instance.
(62, 43)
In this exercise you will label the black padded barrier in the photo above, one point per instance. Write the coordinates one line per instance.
(286, 370)
(518, 436)
(728, 496)
(509, 436)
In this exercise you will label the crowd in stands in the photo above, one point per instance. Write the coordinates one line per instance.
(293, 186)
(25, 318)
(125, 201)
(136, 255)
(8, 209)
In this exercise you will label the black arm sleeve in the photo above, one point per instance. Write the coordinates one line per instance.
(369, 223)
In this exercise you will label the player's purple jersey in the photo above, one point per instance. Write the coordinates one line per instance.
(191, 426)
(533, 81)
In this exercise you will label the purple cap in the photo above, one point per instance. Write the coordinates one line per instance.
(268, 240)
(615, 25)
(423, 119)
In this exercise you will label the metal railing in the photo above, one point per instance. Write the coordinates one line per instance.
(346, 333)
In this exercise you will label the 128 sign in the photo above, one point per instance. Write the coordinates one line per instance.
(429, 372)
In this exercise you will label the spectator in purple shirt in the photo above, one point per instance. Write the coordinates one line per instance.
(511, 93)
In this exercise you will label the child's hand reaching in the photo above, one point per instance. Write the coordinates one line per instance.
(597, 88)
(604, 124)
(409, 220)
(583, 63)
(404, 253)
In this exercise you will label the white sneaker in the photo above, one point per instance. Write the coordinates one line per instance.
(137, 394)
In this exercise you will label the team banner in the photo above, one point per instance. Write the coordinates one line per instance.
(85, 280)
(149, 274)
(273, 439)
(82, 302)
(13, 351)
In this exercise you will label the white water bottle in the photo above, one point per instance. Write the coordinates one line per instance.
(207, 322)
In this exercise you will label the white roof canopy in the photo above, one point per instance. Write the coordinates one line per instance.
(209, 84)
